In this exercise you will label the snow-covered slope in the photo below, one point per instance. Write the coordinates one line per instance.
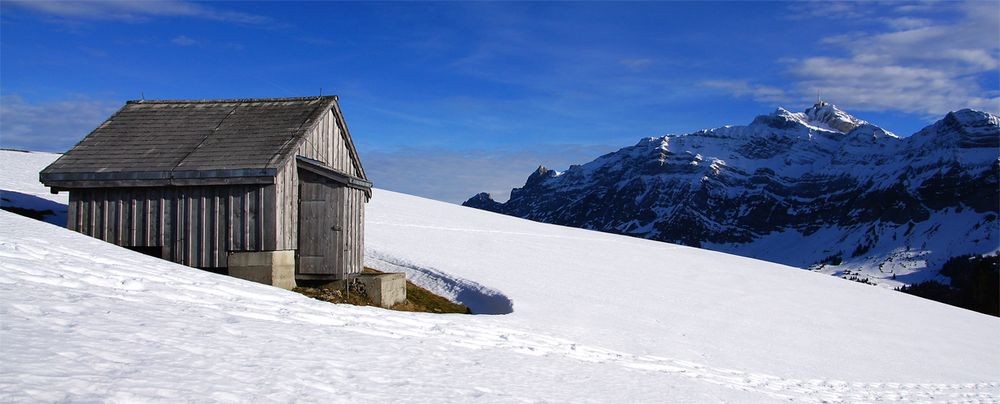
(19, 186)
(595, 317)
(818, 189)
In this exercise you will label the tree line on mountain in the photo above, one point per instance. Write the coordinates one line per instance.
(975, 284)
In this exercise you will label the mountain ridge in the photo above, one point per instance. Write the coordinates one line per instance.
(887, 209)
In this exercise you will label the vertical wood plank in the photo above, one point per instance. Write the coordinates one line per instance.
(84, 212)
(293, 209)
(337, 208)
(120, 216)
(279, 209)
(361, 226)
(178, 222)
(151, 211)
(182, 226)
(92, 222)
(217, 231)
(156, 219)
(238, 222)
(165, 202)
(205, 246)
(139, 217)
(335, 162)
(229, 221)
(328, 117)
(71, 210)
(246, 219)
(269, 212)
(259, 218)
(354, 230)
(98, 215)
(320, 141)
(130, 234)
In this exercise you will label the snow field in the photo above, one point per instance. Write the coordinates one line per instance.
(102, 323)
(592, 317)
(646, 297)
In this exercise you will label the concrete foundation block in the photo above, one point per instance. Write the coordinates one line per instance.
(384, 290)
(275, 268)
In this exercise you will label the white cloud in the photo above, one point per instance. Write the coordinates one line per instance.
(916, 7)
(909, 64)
(137, 10)
(636, 65)
(742, 88)
(183, 40)
(829, 9)
(907, 22)
(919, 67)
(871, 86)
(50, 126)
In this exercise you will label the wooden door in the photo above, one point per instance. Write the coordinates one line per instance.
(321, 237)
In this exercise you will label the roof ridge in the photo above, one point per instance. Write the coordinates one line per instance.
(231, 100)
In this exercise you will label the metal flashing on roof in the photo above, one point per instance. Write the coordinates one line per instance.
(159, 178)
(317, 167)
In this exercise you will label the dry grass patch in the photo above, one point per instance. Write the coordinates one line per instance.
(418, 299)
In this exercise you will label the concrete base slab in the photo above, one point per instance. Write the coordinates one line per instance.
(276, 268)
(384, 290)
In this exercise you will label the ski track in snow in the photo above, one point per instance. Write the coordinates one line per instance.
(81, 273)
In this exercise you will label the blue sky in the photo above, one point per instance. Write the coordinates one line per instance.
(449, 99)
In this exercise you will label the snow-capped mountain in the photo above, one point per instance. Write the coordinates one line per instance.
(818, 189)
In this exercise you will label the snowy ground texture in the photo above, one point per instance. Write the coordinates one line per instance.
(593, 317)
(19, 186)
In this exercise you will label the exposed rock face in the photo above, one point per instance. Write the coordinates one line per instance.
(805, 189)
(483, 201)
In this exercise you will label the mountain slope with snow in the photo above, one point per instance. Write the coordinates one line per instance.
(819, 189)
(592, 317)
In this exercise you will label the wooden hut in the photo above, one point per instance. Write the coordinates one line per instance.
(199, 182)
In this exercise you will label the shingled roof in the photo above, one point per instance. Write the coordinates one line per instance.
(195, 139)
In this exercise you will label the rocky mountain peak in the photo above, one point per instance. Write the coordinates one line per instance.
(971, 119)
(539, 175)
(821, 116)
(832, 117)
(483, 201)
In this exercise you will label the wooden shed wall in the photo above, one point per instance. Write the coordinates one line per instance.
(354, 229)
(351, 214)
(286, 188)
(195, 226)
(326, 143)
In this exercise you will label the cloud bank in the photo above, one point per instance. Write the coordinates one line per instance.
(50, 126)
(137, 10)
(909, 62)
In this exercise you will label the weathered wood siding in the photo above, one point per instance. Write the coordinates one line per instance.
(321, 229)
(354, 229)
(195, 226)
(286, 188)
(347, 205)
(327, 143)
